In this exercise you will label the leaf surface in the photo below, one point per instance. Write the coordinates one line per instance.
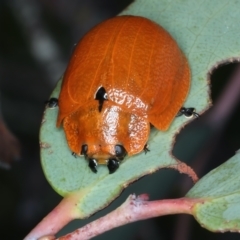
(220, 192)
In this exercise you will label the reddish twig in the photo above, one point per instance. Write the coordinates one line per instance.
(133, 209)
(60, 216)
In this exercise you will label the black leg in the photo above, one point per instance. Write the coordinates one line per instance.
(93, 165)
(187, 112)
(146, 149)
(74, 154)
(113, 165)
(52, 102)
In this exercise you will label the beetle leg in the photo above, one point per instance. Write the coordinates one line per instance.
(146, 149)
(187, 112)
(84, 150)
(74, 154)
(93, 164)
(113, 165)
(52, 102)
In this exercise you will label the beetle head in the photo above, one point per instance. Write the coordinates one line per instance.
(111, 155)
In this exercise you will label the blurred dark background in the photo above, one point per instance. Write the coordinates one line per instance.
(37, 38)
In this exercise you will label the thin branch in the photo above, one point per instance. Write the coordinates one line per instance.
(133, 209)
(61, 215)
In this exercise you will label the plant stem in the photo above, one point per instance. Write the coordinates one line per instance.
(61, 215)
(133, 209)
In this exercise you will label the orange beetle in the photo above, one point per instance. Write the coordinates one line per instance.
(125, 74)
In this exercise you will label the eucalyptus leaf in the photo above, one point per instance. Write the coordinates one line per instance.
(220, 194)
(207, 32)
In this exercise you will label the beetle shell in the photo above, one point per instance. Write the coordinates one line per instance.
(146, 78)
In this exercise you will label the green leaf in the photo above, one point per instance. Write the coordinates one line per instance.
(220, 194)
(68, 174)
(208, 33)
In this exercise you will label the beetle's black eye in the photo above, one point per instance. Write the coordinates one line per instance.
(120, 152)
(84, 149)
